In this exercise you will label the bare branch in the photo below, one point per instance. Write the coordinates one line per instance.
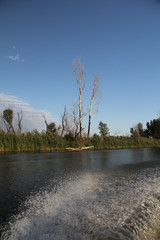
(45, 120)
(66, 128)
(19, 121)
(75, 118)
(95, 93)
(63, 121)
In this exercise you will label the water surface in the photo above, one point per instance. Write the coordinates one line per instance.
(110, 194)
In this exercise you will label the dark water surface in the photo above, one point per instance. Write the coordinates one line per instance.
(112, 194)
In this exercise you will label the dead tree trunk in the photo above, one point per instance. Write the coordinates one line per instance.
(79, 77)
(19, 121)
(75, 119)
(95, 91)
(65, 123)
(45, 120)
(89, 126)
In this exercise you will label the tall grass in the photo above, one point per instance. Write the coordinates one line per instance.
(100, 142)
(35, 141)
(31, 141)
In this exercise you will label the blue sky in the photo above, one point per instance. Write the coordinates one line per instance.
(120, 40)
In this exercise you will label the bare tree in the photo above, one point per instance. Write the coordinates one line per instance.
(45, 120)
(95, 92)
(50, 127)
(65, 122)
(19, 121)
(79, 75)
(75, 118)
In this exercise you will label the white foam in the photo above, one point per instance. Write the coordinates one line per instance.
(88, 206)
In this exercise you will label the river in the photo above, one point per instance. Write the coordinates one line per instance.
(99, 195)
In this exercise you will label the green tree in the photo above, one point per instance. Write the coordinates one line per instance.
(140, 129)
(51, 128)
(137, 130)
(96, 140)
(153, 128)
(103, 129)
(8, 119)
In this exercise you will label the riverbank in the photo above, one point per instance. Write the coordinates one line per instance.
(123, 142)
(42, 142)
(52, 150)
(48, 150)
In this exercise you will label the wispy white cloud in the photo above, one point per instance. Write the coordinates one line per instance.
(14, 47)
(16, 58)
(32, 119)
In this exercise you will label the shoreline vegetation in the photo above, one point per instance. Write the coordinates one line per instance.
(70, 134)
(49, 142)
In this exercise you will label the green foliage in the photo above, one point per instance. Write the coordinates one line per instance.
(88, 142)
(35, 141)
(51, 141)
(103, 129)
(137, 131)
(51, 128)
(153, 128)
(7, 119)
(8, 115)
(31, 141)
(70, 139)
(140, 129)
(96, 141)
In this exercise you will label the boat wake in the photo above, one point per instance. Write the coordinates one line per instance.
(92, 206)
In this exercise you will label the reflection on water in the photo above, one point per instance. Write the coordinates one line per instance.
(80, 195)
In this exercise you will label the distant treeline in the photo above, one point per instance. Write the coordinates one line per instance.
(49, 142)
(59, 138)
